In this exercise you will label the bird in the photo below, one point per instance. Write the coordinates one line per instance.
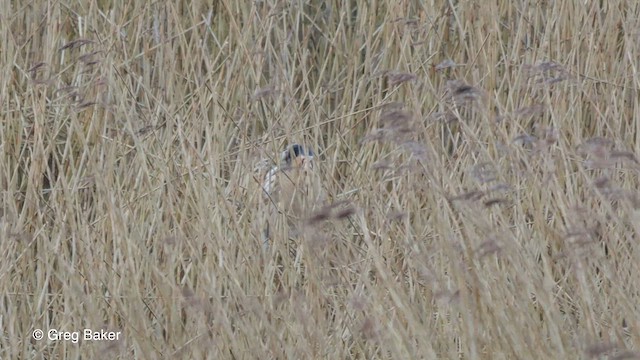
(291, 187)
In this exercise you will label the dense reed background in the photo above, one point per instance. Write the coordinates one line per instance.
(479, 160)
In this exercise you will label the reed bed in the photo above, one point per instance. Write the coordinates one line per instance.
(479, 161)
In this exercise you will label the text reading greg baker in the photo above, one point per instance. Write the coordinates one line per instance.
(75, 336)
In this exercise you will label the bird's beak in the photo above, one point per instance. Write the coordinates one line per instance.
(305, 162)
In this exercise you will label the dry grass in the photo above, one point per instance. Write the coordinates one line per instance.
(479, 160)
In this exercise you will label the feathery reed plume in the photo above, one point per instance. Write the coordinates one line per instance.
(397, 78)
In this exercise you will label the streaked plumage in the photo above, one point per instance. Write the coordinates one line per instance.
(292, 188)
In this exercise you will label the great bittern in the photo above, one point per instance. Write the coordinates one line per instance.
(292, 188)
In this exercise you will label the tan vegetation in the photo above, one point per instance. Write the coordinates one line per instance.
(479, 161)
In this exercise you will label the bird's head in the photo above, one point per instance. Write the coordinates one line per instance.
(297, 157)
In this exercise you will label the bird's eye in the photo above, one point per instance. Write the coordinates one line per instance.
(286, 156)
